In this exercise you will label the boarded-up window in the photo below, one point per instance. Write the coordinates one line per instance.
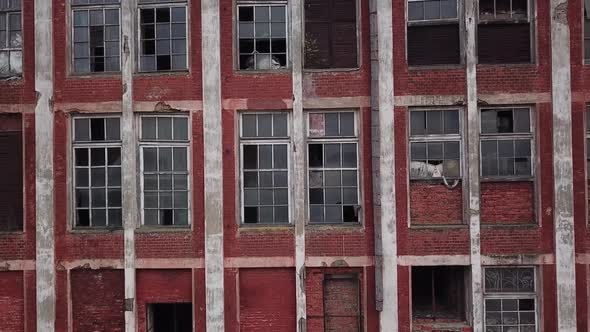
(11, 181)
(342, 311)
(504, 32)
(433, 33)
(330, 34)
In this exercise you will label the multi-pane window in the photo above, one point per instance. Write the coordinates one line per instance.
(510, 299)
(333, 181)
(97, 172)
(504, 31)
(330, 34)
(96, 32)
(433, 32)
(264, 141)
(162, 35)
(262, 36)
(506, 143)
(435, 144)
(164, 151)
(11, 62)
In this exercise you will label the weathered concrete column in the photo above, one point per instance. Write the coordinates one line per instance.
(471, 185)
(298, 189)
(562, 167)
(389, 315)
(45, 217)
(129, 160)
(213, 149)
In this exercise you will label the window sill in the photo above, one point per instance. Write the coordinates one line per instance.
(16, 232)
(245, 72)
(164, 229)
(84, 76)
(525, 225)
(515, 179)
(451, 66)
(11, 79)
(329, 70)
(102, 230)
(265, 227)
(527, 65)
(435, 325)
(172, 73)
(344, 227)
(436, 226)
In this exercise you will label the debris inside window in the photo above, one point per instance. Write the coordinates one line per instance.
(438, 293)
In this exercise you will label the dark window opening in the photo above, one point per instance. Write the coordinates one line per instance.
(169, 317)
(11, 182)
(438, 293)
(330, 34)
(586, 29)
(342, 310)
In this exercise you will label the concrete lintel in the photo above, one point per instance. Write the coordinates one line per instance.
(562, 167)
(44, 186)
(166, 263)
(429, 100)
(168, 106)
(259, 262)
(521, 259)
(93, 264)
(94, 107)
(17, 265)
(240, 104)
(339, 261)
(482, 99)
(434, 260)
(17, 108)
(337, 102)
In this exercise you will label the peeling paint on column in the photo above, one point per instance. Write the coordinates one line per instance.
(298, 190)
(45, 217)
(471, 186)
(213, 150)
(129, 162)
(388, 317)
(562, 167)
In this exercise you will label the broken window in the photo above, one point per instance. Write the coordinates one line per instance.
(97, 172)
(510, 299)
(330, 34)
(333, 167)
(95, 37)
(435, 144)
(433, 32)
(265, 145)
(11, 55)
(438, 293)
(586, 30)
(342, 309)
(11, 168)
(506, 143)
(169, 317)
(262, 36)
(165, 170)
(163, 35)
(504, 31)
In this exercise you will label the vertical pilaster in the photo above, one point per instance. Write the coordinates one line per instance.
(129, 161)
(213, 149)
(44, 188)
(389, 315)
(562, 166)
(298, 190)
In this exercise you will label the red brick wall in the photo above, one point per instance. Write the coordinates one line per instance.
(507, 202)
(267, 300)
(434, 204)
(98, 300)
(12, 301)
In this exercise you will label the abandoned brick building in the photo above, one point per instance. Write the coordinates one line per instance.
(301, 165)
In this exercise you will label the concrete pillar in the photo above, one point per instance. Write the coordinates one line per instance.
(45, 217)
(299, 210)
(129, 160)
(472, 154)
(389, 315)
(562, 167)
(213, 149)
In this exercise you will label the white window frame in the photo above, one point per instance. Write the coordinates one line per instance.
(8, 48)
(253, 3)
(163, 4)
(432, 20)
(513, 295)
(88, 8)
(89, 145)
(265, 141)
(529, 13)
(437, 138)
(154, 143)
(509, 137)
(336, 140)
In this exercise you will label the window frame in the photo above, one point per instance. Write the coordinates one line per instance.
(236, 53)
(529, 13)
(8, 12)
(72, 173)
(359, 56)
(434, 21)
(265, 141)
(154, 143)
(335, 140)
(585, 18)
(426, 138)
(138, 38)
(513, 295)
(531, 136)
(70, 37)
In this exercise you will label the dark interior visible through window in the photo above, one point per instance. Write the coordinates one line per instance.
(169, 317)
(438, 292)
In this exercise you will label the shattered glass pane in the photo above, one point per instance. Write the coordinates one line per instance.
(4, 62)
